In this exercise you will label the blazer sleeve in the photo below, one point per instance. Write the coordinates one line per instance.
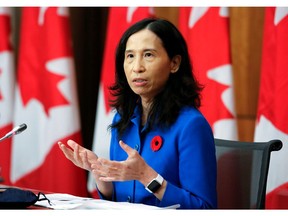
(197, 168)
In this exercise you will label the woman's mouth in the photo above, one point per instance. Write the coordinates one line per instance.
(139, 81)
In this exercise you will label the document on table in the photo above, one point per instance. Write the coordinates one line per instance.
(66, 201)
(62, 201)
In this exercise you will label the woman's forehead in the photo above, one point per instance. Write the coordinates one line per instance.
(143, 37)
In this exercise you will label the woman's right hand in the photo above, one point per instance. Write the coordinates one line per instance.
(79, 155)
(84, 158)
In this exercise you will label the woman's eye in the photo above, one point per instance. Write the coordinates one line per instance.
(129, 56)
(148, 55)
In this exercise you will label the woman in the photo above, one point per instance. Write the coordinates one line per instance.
(162, 148)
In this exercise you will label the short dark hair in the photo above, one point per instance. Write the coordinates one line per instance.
(182, 88)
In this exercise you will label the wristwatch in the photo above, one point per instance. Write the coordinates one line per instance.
(155, 184)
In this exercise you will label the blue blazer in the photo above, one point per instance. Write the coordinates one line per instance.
(186, 160)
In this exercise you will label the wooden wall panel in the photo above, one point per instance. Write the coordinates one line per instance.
(170, 13)
(246, 26)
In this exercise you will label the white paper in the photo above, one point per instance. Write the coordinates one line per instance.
(61, 201)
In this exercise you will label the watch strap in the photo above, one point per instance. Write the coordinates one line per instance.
(155, 184)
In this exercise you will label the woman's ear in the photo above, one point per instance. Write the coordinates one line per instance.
(175, 63)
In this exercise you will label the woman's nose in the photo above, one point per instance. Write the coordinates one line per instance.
(138, 66)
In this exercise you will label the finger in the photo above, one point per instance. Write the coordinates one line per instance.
(108, 168)
(101, 176)
(66, 151)
(76, 153)
(105, 175)
(72, 144)
(86, 162)
(81, 157)
(126, 148)
(61, 145)
(98, 170)
(108, 164)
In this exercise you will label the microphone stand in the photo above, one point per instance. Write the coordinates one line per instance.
(13, 132)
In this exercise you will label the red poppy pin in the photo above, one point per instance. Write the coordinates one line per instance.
(156, 143)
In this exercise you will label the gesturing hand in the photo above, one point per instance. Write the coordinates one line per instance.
(133, 168)
(79, 155)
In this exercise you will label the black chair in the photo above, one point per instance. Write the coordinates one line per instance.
(242, 171)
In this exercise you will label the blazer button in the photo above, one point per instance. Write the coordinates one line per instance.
(128, 199)
(136, 147)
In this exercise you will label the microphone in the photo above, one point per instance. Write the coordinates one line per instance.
(16, 130)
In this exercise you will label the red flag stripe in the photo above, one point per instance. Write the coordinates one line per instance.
(46, 101)
(272, 105)
(7, 83)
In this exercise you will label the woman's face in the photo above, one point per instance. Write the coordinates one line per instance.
(147, 65)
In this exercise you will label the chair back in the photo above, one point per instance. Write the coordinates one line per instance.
(242, 171)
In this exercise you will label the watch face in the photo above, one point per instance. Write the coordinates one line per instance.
(154, 186)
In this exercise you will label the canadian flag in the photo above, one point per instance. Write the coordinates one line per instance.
(7, 85)
(119, 19)
(272, 115)
(46, 100)
(206, 30)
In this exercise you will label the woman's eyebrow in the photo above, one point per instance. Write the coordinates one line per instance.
(144, 50)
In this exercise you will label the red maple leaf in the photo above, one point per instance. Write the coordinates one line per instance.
(274, 82)
(208, 44)
(40, 45)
